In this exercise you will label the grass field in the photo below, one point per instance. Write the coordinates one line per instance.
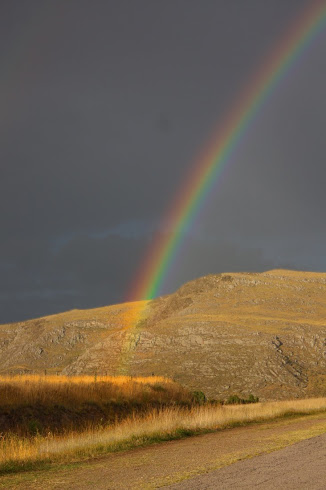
(38, 405)
(21, 453)
(32, 389)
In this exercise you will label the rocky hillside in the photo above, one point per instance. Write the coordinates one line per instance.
(260, 333)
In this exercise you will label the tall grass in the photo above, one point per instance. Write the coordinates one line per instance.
(31, 405)
(47, 390)
(17, 453)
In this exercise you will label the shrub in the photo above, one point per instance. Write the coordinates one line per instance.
(253, 399)
(233, 400)
(236, 400)
(199, 397)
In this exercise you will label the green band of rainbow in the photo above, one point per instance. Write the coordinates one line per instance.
(205, 174)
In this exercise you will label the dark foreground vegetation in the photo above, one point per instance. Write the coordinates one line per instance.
(57, 419)
(31, 405)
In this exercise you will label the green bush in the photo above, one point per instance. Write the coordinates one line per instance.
(199, 397)
(253, 399)
(236, 400)
(233, 400)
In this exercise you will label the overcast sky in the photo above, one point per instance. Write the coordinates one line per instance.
(104, 107)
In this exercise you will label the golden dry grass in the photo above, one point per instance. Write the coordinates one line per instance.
(33, 404)
(33, 379)
(158, 425)
(31, 389)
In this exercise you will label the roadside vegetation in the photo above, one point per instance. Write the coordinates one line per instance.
(236, 400)
(36, 405)
(177, 413)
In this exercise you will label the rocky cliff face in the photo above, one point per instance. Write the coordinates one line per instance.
(229, 333)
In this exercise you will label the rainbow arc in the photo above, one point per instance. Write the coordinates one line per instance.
(205, 174)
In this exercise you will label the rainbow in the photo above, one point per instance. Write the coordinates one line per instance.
(204, 175)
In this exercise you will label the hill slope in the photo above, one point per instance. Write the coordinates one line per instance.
(261, 333)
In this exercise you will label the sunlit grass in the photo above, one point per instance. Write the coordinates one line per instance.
(170, 423)
(47, 390)
(33, 404)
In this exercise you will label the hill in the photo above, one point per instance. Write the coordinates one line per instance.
(260, 333)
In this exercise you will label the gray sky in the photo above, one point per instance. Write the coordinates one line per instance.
(104, 107)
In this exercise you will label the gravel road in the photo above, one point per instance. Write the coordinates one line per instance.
(301, 466)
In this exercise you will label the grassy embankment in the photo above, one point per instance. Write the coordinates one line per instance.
(172, 417)
(32, 404)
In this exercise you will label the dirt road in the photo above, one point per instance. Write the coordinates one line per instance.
(168, 463)
(301, 466)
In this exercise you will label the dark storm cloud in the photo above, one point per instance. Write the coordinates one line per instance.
(105, 106)
(83, 272)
